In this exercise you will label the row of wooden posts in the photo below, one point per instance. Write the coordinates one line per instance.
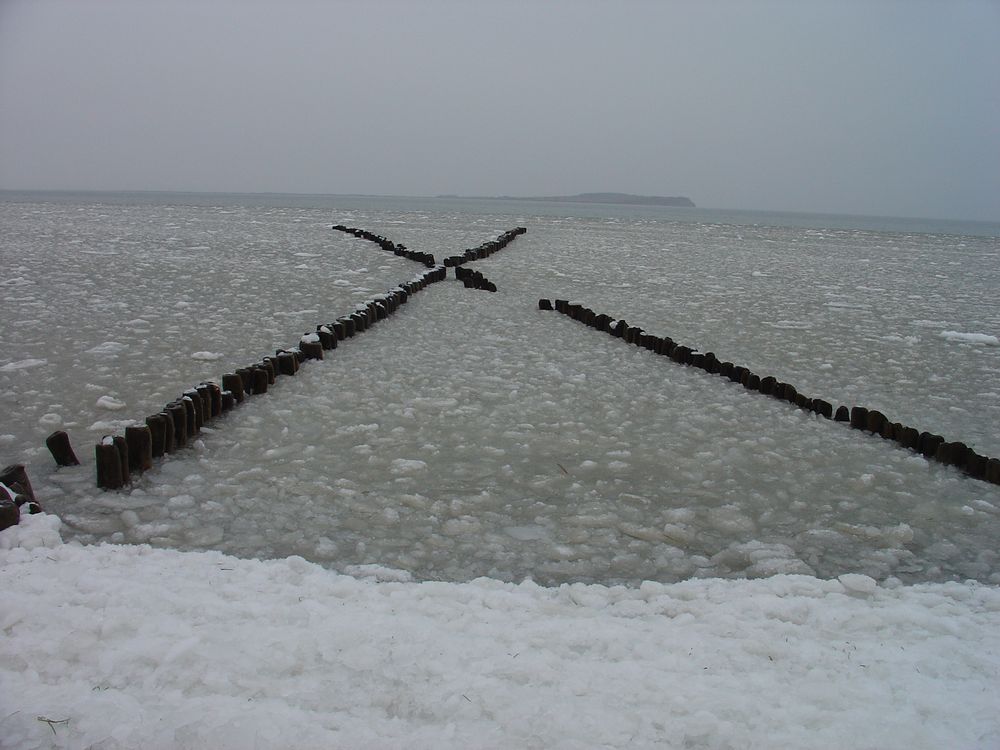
(486, 249)
(929, 445)
(119, 457)
(388, 245)
(179, 422)
(473, 279)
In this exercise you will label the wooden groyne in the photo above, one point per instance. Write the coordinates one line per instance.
(388, 245)
(486, 249)
(119, 457)
(174, 427)
(931, 446)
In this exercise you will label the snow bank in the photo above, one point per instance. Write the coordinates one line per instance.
(128, 646)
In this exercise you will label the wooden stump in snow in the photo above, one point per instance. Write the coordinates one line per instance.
(140, 448)
(178, 418)
(61, 450)
(109, 465)
(157, 437)
(10, 514)
(259, 380)
(234, 384)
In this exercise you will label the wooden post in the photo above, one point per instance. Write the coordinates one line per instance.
(178, 417)
(234, 384)
(196, 407)
(16, 477)
(140, 448)
(192, 423)
(206, 401)
(260, 378)
(216, 393)
(61, 450)
(155, 423)
(122, 448)
(10, 514)
(109, 469)
(169, 440)
(286, 363)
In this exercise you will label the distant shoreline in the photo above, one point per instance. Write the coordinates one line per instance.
(615, 199)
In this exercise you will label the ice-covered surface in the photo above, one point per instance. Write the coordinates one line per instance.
(128, 646)
(474, 435)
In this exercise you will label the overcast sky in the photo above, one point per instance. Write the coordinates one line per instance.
(888, 108)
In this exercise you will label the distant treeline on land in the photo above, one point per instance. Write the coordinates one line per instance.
(615, 198)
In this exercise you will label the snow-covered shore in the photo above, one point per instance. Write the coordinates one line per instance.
(129, 646)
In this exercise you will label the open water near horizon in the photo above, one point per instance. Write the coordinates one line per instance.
(472, 434)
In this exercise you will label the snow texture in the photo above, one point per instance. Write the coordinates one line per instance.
(128, 646)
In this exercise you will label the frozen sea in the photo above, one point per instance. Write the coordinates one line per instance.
(472, 434)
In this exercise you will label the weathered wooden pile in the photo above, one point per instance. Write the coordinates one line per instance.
(16, 495)
(929, 445)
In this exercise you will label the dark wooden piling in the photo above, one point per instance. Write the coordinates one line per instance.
(928, 444)
(122, 447)
(109, 468)
(10, 514)
(233, 383)
(178, 418)
(311, 349)
(192, 423)
(61, 450)
(157, 437)
(216, 395)
(286, 363)
(140, 448)
(768, 385)
(859, 417)
(15, 476)
(196, 408)
(259, 380)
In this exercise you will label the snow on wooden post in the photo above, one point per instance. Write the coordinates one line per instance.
(109, 468)
(311, 347)
(61, 450)
(15, 477)
(192, 423)
(286, 363)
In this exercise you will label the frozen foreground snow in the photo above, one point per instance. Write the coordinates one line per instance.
(129, 646)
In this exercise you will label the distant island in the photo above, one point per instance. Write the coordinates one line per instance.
(621, 199)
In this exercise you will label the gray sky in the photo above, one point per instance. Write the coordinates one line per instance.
(859, 107)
